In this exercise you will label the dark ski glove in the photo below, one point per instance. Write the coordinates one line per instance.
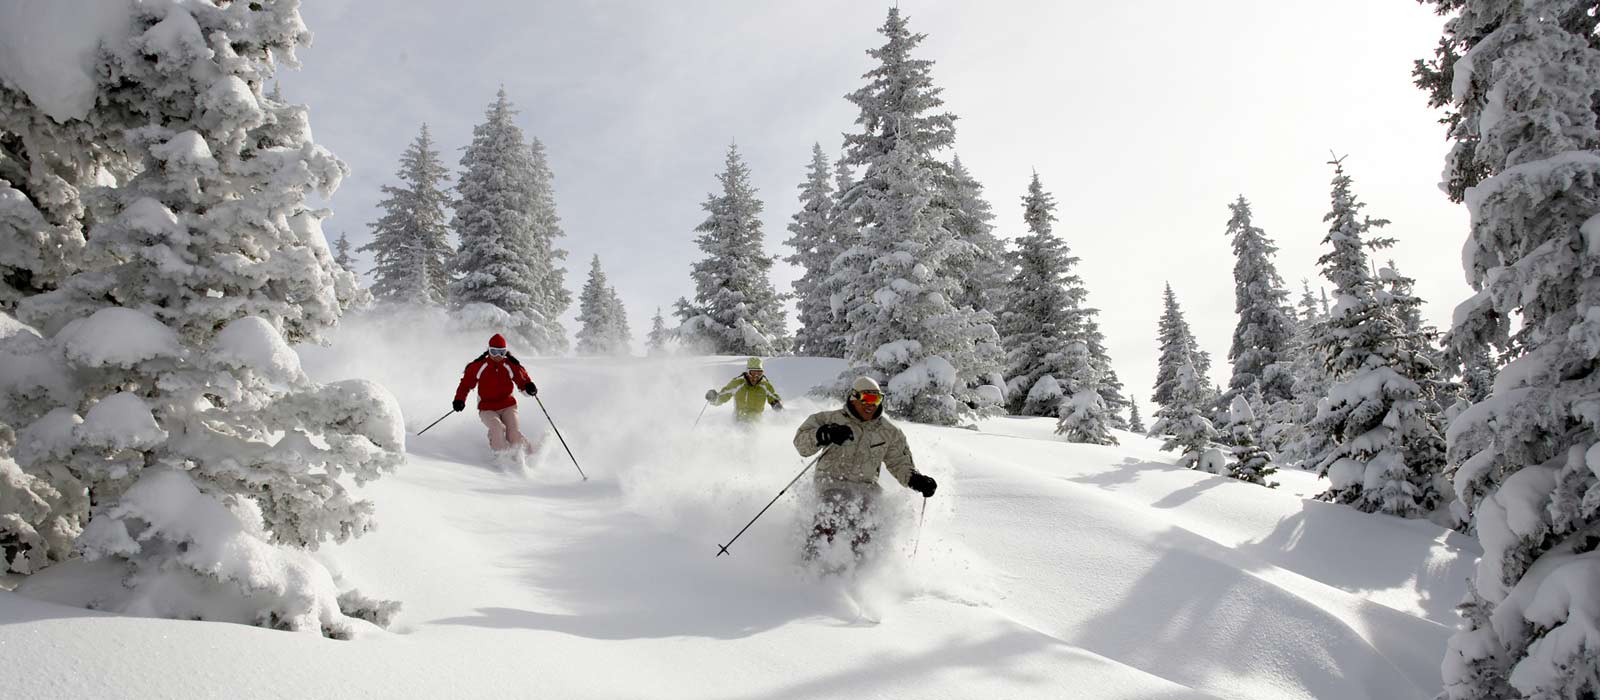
(458, 406)
(531, 389)
(711, 394)
(776, 404)
(922, 483)
(834, 434)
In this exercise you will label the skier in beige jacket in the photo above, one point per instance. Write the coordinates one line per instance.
(860, 441)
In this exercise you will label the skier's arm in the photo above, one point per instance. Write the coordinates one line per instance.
(520, 374)
(898, 458)
(805, 438)
(727, 392)
(469, 379)
(772, 392)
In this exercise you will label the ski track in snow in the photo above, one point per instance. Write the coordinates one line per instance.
(1045, 570)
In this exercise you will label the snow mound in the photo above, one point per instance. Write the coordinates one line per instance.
(121, 421)
(251, 342)
(48, 50)
(118, 336)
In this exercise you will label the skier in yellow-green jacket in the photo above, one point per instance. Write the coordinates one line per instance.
(751, 393)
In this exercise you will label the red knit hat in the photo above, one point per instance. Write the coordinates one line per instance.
(497, 341)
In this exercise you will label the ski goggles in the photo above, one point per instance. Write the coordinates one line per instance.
(870, 398)
(499, 352)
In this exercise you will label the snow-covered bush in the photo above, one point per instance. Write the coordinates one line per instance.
(1183, 421)
(1251, 461)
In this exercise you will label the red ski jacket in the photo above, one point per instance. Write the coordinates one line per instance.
(497, 382)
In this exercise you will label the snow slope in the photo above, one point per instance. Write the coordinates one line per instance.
(1044, 569)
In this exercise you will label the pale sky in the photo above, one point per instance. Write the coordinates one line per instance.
(1145, 119)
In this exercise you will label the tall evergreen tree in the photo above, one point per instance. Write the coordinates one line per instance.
(1261, 338)
(1375, 437)
(1046, 314)
(984, 269)
(895, 285)
(604, 328)
(811, 236)
(735, 309)
(1177, 347)
(656, 341)
(497, 264)
(550, 296)
(1525, 120)
(410, 243)
(1135, 422)
(341, 254)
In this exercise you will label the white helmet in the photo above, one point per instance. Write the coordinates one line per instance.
(865, 384)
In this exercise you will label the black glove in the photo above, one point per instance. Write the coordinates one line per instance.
(922, 483)
(531, 389)
(711, 394)
(834, 434)
(458, 406)
(776, 404)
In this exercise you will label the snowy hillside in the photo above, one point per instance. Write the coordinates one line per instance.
(1044, 569)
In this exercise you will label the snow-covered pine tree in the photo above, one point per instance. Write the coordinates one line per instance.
(410, 244)
(173, 396)
(550, 296)
(1261, 338)
(1178, 346)
(1046, 314)
(1083, 414)
(895, 285)
(1524, 92)
(735, 309)
(1251, 461)
(1110, 385)
(986, 271)
(497, 268)
(1135, 422)
(45, 164)
(605, 323)
(341, 253)
(1376, 436)
(656, 341)
(1309, 368)
(1182, 419)
(621, 332)
(811, 236)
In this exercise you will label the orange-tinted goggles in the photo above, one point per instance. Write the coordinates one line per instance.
(870, 398)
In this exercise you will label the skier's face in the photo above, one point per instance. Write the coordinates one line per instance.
(754, 376)
(867, 404)
(498, 354)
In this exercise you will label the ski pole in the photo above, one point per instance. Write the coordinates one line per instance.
(723, 548)
(558, 436)
(430, 425)
(917, 540)
(702, 415)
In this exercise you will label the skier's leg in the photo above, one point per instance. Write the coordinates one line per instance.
(508, 416)
(497, 429)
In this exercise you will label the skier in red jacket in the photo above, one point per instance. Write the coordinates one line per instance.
(497, 375)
